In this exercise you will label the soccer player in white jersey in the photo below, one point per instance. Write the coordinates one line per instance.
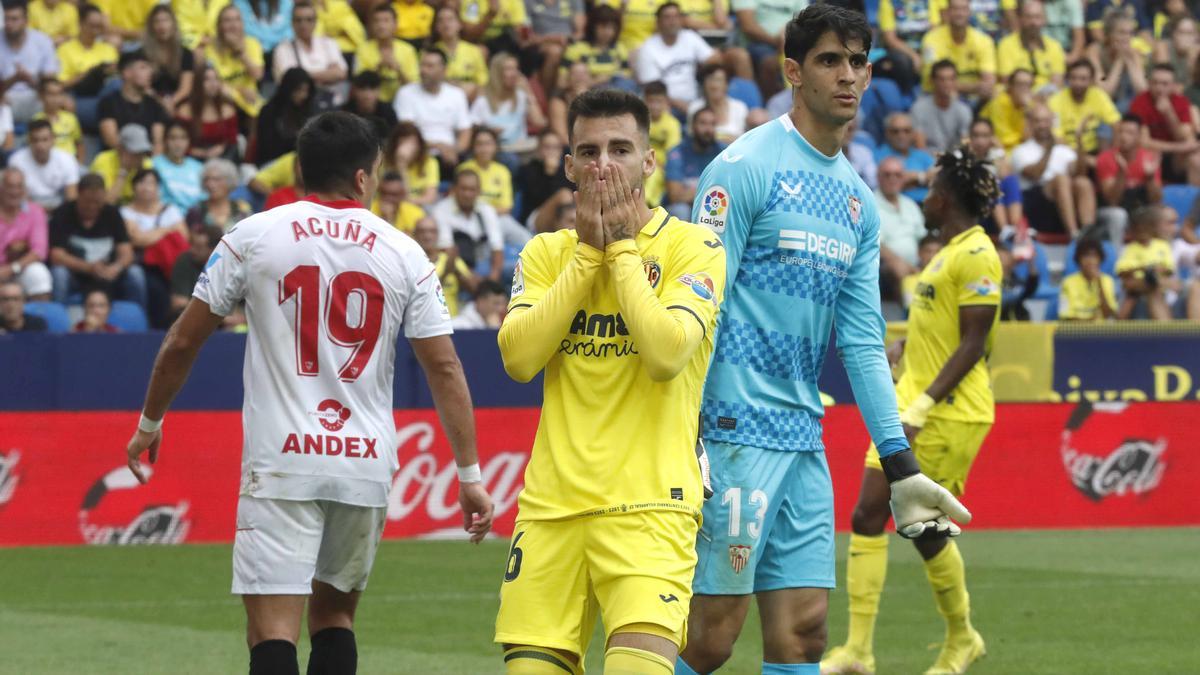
(327, 287)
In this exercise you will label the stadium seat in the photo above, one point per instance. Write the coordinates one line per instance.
(745, 91)
(55, 315)
(1180, 198)
(128, 317)
(1109, 266)
(881, 99)
(1046, 289)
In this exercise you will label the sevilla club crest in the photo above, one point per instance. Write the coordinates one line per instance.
(739, 555)
(855, 209)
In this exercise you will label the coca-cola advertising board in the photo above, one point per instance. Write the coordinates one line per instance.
(63, 478)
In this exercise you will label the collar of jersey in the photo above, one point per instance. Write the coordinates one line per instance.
(658, 220)
(335, 204)
(806, 147)
(965, 233)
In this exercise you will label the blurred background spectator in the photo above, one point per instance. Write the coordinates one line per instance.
(96, 309)
(13, 318)
(24, 238)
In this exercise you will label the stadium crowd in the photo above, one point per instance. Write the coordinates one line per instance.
(134, 133)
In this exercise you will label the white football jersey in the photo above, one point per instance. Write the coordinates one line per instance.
(327, 287)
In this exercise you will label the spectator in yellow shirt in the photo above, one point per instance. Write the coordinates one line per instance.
(1082, 106)
(605, 58)
(58, 19)
(465, 63)
(336, 19)
(68, 136)
(1120, 64)
(665, 133)
(1146, 268)
(394, 59)
(902, 23)
(196, 19)
(972, 52)
(391, 203)
(126, 18)
(495, 180)
(119, 165)
(1006, 111)
(1028, 48)
(992, 17)
(413, 19)
(407, 154)
(1089, 294)
(237, 58)
(493, 22)
(87, 57)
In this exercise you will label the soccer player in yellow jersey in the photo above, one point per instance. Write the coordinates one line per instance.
(620, 315)
(947, 409)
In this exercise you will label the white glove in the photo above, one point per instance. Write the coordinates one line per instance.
(705, 475)
(920, 505)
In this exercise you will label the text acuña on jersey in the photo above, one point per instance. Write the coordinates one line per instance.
(351, 231)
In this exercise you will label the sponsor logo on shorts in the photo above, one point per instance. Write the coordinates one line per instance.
(702, 285)
(1134, 467)
(739, 555)
(332, 414)
(714, 208)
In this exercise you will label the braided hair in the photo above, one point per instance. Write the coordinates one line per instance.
(970, 181)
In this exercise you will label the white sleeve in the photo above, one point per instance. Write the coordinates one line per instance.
(464, 115)
(1021, 158)
(403, 111)
(647, 70)
(70, 169)
(699, 46)
(491, 228)
(479, 111)
(445, 232)
(222, 284)
(426, 314)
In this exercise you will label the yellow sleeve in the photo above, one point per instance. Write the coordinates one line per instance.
(254, 52)
(987, 54)
(67, 70)
(667, 329)
(406, 56)
(480, 66)
(1109, 289)
(887, 16)
(978, 275)
(516, 13)
(505, 201)
(544, 302)
(1067, 308)
(1006, 59)
(278, 173)
(1108, 110)
(1008, 4)
(1130, 261)
(366, 58)
(1057, 57)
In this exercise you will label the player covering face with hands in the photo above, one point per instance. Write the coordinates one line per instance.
(619, 313)
(801, 234)
(326, 287)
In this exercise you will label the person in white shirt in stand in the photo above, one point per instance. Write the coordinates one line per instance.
(439, 109)
(487, 310)
(470, 224)
(672, 55)
(327, 286)
(1055, 188)
(318, 55)
(51, 175)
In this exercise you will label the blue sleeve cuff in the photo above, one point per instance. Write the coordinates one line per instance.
(891, 446)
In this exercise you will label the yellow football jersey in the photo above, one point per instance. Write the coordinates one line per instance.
(369, 57)
(976, 56)
(1079, 299)
(1044, 63)
(67, 131)
(965, 273)
(1136, 257)
(616, 435)
(1068, 113)
(495, 184)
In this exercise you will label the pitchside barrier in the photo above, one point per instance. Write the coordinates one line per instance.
(1097, 423)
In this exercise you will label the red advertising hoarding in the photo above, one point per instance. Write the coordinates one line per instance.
(63, 478)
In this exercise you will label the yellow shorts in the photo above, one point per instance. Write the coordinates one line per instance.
(945, 450)
(632, 567)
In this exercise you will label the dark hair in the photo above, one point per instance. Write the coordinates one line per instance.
(303, 4)
(1164, 67)
(213, 232)
(1083, 63)
(489, 287)
(143, 173)
(367, 79)
(600, 15)
(985, 121)
(1146, 216)
(129, 58)
(1013, 75)
(655, 88)
(402, 131)
(434, 50)
(38, 125)
(482, 130)
(595, 103)
(384, 7)
(177, 123)
(293, 79)
(16, 4)
(1086, 246)
(87, 9)
(969, 181)
(664, 7)
(46, 81)
(390, 176)
(467, 172)
(707, 69)
(91, 181)
(942, 65)
(704, 109)
(1131, 118)
(333, 147)
(807, 27)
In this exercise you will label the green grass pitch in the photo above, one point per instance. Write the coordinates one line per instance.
(1108, 601)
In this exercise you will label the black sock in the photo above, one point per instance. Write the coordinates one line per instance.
(273, 657)
(333, 652)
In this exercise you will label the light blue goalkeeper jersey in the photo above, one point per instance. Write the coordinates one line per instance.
(801, 235)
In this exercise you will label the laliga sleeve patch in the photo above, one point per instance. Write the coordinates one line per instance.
(714, 208)
(702, 285)
(518, 282)
(984, 287)
(441, 298)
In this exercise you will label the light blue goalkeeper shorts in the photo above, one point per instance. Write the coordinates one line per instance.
(769, 523)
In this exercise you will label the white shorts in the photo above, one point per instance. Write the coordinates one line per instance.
(282, 545)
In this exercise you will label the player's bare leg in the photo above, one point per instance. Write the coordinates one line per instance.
(530, 660)
(793, 622)
(640, 649)
(272, 630)
(714, 623)
(331, 630)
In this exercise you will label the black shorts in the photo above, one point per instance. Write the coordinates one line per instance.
(1041, 211)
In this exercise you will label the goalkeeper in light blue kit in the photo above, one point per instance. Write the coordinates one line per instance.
(801, 235)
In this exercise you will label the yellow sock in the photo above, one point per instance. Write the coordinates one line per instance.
(525, 660)
(866, 570)
(630, 661)
(948, 578)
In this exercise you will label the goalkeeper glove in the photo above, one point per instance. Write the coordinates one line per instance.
(705, 476)
(920, 505)
(918, 411)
